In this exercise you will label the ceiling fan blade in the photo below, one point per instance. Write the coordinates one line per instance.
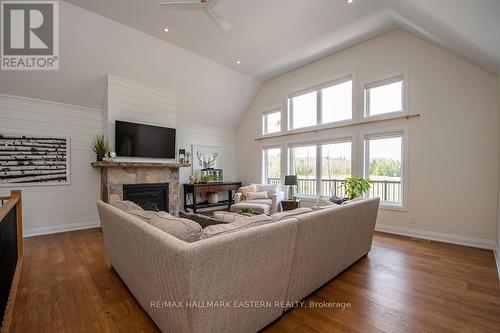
(184, 2)
(221, 22)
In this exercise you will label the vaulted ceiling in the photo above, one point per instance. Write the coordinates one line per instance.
(270, 37)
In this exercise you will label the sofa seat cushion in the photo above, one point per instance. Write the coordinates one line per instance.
(290, 213)
(126, 205)
(259, 208)
(261, 201)
(240, 223)
(183, 229)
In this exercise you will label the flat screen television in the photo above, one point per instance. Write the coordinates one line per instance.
(139, 140)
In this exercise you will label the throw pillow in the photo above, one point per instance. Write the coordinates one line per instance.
(353, 200)
(183, 229)
(226, 217)
(256, 195)
(239, 224)
(144, 215)
(270, 188)
(290, 213)
(323, 203)
(245, 189)
(126, 205)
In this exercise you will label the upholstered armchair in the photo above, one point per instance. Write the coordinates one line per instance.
(269, 205)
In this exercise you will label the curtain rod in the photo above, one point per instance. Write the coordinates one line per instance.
(410, 116)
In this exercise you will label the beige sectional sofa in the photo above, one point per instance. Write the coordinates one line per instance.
(236, 282)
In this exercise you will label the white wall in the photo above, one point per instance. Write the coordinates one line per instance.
(132, 101)
(56, 208)
(451, 165)
(91, 46)
(498, 217)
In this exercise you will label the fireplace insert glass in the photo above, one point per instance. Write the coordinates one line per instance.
(148, 196)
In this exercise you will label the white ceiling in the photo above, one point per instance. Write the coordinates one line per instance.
(271, 37)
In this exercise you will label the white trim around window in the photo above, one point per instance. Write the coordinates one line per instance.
(263, 162)
(264, 129)
(319, 102)
(385, 134)
(318, 144)
(388, 79)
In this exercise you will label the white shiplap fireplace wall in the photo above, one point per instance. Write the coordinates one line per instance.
(137, 102)
(56, 208)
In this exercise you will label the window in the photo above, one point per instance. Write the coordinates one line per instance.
(330, 160)
(335, 167)
(336, 102)
(272, 165)
(271, 122)
(384, 96)
(384, 168)
(303, 164)
(303, 110)
(325, 104)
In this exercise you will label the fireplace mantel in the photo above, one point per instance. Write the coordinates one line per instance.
(137, 165)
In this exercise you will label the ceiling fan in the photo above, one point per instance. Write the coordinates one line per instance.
(207, 5)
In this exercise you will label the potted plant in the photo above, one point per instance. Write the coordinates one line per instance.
(100, 146)
(247, 211)
(356, 187)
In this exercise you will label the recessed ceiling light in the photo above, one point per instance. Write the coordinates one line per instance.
(350, 1)
(165, 29)
(238, 62)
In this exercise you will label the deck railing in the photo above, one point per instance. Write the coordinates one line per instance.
(387, 190)
(11, 254)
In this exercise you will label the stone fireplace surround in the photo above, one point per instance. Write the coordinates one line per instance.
(116, 174)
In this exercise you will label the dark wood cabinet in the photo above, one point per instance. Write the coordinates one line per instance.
(193, 191)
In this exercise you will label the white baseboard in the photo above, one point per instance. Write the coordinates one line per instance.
(54, 229)
(438, 236)
(497, 258)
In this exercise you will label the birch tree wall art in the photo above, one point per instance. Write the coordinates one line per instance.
(33, 160)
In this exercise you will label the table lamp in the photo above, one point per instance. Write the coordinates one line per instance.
(291, 181)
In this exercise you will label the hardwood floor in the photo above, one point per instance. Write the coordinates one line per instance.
(403, 285)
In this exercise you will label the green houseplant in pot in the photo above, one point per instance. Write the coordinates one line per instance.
(356, 187)
(100, 146)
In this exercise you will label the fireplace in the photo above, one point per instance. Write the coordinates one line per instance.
(148, 196)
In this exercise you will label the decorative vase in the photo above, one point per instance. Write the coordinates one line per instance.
(99, 158)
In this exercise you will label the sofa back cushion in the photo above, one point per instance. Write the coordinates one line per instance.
(290, 213)
(183, 229)
(239, 223)
(126, 205)
(269, 188)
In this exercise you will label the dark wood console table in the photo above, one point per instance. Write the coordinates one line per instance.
(192, 190)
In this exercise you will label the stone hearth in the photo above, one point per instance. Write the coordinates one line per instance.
(116, 174)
